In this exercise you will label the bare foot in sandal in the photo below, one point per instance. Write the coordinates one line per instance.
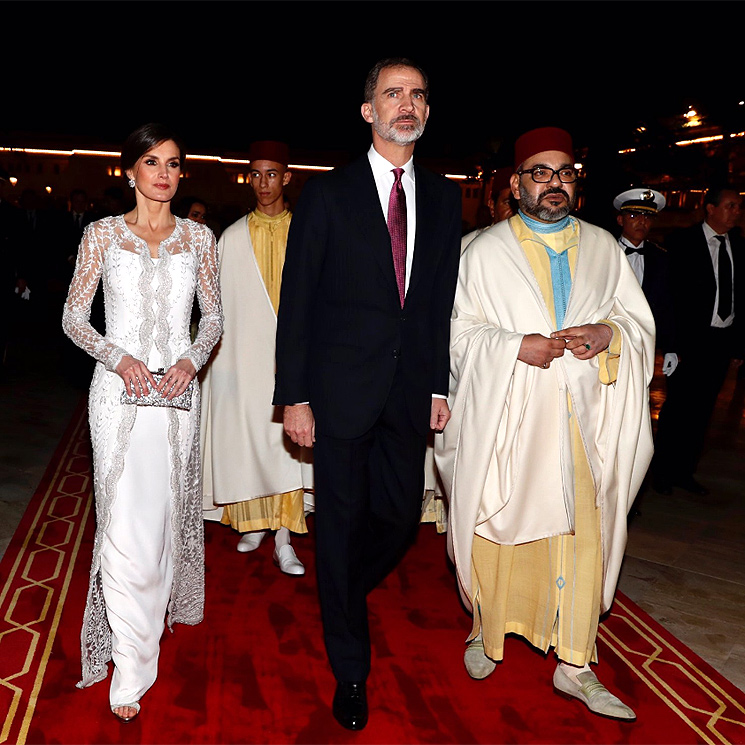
(126, 712)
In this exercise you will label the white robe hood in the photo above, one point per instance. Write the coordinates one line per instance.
(245, 453)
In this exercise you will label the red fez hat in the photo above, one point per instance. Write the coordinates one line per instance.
(278, 152)
(540, 140)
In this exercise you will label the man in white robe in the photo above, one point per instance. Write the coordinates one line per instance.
(552, 353)
(252, 475)
(502, 206)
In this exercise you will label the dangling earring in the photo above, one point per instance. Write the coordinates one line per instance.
(131, 183)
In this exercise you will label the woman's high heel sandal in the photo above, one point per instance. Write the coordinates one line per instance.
(134, 705)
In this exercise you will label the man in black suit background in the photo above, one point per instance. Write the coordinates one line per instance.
(12, 272)
(77, 364)
(72, 224)
(637, 210)
(705, 261)
(362, 357)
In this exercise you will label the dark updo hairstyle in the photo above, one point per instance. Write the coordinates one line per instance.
(145, 138)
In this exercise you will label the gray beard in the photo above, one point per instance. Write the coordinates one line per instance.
(388, 133)
(533, 207)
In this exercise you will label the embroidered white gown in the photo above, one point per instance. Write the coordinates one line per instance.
(148, 554)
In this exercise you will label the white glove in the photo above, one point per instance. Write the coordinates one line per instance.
(669, 363)
(25, 295)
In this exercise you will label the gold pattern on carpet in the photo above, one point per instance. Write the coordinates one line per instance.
(39, 565)
(653, 659)
(34, 592)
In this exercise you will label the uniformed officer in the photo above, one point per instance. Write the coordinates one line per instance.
(637, 210)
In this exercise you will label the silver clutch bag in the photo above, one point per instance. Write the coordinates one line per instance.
(154, 398)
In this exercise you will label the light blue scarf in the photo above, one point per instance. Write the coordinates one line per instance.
(561, 278)
(545, 227)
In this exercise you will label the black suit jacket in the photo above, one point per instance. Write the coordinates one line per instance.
(66, 248)
(73, 232)
(37, 241)
(11, 264)
(657, 290)
(341, 331)
(694, 288)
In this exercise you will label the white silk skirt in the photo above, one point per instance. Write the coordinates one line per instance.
(136, 558)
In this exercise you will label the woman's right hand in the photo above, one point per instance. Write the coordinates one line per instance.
(135, 375)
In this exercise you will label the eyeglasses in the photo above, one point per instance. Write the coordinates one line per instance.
(543, 175)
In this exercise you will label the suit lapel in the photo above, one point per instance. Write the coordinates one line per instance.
(706, 271)
(366, 206)
(425, 225)
(650, 267)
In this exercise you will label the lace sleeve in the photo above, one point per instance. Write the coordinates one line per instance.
(210, 304)
(77, 311)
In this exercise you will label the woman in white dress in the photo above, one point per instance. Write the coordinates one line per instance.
(148, 554)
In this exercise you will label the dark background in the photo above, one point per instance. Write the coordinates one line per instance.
(226, 73)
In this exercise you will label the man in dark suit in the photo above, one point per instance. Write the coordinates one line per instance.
(362, 357)
(637, 210)
(704, 262)
(77, 364)
(37, 236)
(72, 224)
(12, 274)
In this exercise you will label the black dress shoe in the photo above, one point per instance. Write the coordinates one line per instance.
(691, 485)
(350, 705)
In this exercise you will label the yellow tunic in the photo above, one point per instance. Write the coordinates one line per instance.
(269, 239)
(548, 591)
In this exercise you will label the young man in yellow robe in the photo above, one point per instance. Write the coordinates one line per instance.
(249, 469)
(552, 353)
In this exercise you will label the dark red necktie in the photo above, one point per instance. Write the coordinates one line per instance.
(397, 229)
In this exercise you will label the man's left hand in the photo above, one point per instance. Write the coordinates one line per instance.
(440, 414)
(584, 342)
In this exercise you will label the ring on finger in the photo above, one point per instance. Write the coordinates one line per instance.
(587, 346)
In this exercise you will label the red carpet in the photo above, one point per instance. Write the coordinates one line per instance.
(255, 670)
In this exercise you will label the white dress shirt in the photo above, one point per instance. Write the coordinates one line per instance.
(714, 247)
(383, 175)
(382, 170)
(636, 260)
(670, 360)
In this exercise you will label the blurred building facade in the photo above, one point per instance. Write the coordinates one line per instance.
(679, 155)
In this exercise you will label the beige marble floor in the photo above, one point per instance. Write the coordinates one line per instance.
(685, 561)
(36, 403)
(685, 557)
